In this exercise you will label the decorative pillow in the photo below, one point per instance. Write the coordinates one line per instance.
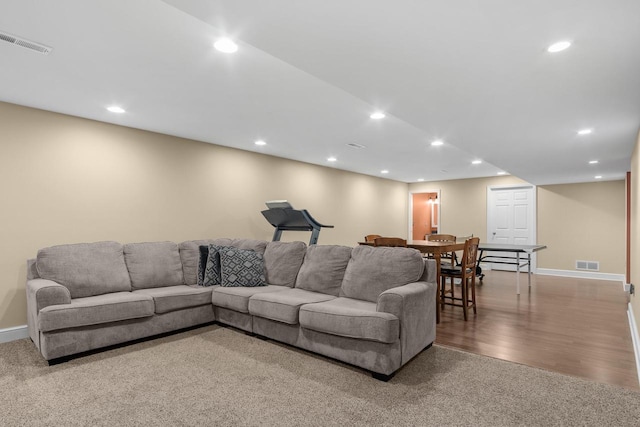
(203, 252)
(211, 274)
(189, 254)
(241, 267)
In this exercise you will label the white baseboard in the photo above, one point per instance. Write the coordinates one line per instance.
(635, 338)
(15, 333)
(581, 274)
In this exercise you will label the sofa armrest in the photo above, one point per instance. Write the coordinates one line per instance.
(414, 304)
(42, 293)
(430, 273)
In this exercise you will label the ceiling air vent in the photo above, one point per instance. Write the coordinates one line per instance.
(354, 145)
(27, 44)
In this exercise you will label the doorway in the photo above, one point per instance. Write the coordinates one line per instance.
(424, 214)
(511, 219)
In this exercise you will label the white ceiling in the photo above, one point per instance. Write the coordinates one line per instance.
(308, 74)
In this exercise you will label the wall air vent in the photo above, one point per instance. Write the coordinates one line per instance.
(588, 265)
(27, 44)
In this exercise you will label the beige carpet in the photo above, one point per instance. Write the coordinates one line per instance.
(219, 376)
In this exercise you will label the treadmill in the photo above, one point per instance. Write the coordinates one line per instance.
(284, 218)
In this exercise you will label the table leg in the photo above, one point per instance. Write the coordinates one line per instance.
(436, 256)
(518, 273)
(529, 263)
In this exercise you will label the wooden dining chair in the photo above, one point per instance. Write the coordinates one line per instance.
(466, 272)
(451, 256)
(369, 238)
(390, 241)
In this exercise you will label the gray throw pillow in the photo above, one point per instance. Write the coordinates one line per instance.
(241, 267)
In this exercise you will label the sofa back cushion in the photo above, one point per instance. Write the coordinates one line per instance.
(190, 255)
(282, 261)
(86, 269)
(372, 271)
(258, 246)
(153, 264)
(323, 269)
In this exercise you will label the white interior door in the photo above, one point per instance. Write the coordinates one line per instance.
(511, 219)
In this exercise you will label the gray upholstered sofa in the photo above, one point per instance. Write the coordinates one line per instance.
(370, 307)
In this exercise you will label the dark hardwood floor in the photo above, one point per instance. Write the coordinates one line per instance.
(573, 326)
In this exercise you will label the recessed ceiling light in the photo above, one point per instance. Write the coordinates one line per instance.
(436, 143)
(585, 131)
(593, 162)
(116, 109)
(260, 142)
(225, 45)
(598, 177)
(377, 115)
(384, 171)
(420, 179)
(476, 162)
(331, 159)
(559, 46)
(502, 173)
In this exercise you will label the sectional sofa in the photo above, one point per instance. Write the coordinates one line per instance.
(370, 307)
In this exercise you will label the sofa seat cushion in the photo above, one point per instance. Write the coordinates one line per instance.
(284, 306)
(237, 298)
(351, 318)
(173, 298)
(95, 310)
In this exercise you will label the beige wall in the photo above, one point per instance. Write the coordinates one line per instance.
(570, 217)
(64, 180)
(635, 231)
(583, 222)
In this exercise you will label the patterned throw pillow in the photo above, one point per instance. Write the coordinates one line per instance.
(202, 263)
(241, 267)
(212, 269)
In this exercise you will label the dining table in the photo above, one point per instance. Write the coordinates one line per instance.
(437, 249)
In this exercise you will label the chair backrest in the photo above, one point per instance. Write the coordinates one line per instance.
(371, 237)
(444, 238)
(470, 254)
(441, 238)
(390, 241)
